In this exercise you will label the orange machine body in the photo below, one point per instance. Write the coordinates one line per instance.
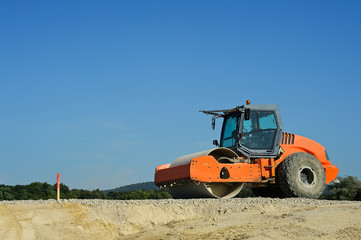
(208, 169)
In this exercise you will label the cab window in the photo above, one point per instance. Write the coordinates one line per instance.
(230, 128)
(259, 131)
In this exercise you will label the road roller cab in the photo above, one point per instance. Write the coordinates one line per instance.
(253, 150)
(250, 130)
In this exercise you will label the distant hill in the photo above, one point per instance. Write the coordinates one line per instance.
(134, 187)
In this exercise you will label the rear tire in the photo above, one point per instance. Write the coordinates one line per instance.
(301, 175)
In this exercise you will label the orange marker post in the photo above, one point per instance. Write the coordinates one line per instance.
(58, 188)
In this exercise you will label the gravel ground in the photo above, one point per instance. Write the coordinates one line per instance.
(247, 218)
(256, 200)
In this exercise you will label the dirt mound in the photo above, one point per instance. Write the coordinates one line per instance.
(252, 218)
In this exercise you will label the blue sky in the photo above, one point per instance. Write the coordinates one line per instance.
(104, 91)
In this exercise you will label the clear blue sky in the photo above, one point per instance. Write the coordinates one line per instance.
(104, 91)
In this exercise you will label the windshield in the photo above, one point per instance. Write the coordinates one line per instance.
(230, 129)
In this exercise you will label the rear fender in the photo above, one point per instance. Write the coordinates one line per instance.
(292, 143)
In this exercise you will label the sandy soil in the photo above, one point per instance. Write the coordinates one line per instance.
(252, 218)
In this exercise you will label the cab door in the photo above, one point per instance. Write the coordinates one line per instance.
(260, 135)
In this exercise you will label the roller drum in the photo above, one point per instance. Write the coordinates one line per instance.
(201, 189)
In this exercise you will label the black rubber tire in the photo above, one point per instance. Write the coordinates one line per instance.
(271, 192)
(301, 175)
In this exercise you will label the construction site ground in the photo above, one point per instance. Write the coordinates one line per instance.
(249, 218)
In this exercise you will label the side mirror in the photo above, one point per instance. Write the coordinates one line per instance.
(215, 142)
(247, 114)
(213, 122)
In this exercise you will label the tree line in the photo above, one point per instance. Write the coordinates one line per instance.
(44, 191)
(349, 188)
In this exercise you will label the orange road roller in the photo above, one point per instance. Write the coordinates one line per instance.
(253, 151)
